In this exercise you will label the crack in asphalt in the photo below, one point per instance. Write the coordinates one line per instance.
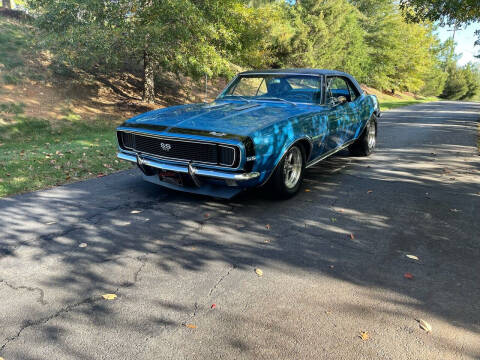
(41, 296)
(143, 261)
(233, 267)
(90, 300)
(212, 289)
(43, 321)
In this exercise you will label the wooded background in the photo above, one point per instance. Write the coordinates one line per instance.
(385, 44)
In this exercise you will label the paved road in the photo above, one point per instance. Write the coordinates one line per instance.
(170, 256)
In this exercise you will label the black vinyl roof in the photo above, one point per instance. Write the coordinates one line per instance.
(297, 71)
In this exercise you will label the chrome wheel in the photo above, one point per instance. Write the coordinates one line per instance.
(292, 167)
(372, 136)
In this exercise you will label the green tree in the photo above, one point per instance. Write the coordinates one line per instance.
(321, 34)
(447, 11)
(436, 77)
(471, 74)
(456, 86)
(184, 36)
(384, 37)
(401, 56)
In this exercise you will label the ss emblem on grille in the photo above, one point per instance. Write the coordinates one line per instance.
(165, 147)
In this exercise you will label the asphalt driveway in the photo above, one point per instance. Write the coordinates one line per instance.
(334, 260)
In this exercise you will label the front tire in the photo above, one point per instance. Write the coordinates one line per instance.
(288, 176)
(366, 143)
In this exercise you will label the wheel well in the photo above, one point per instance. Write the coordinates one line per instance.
(307, 147)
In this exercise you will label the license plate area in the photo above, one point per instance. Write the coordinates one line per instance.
(171, 177)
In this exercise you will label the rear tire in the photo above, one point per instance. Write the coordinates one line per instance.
(366, 143)
(288, 175)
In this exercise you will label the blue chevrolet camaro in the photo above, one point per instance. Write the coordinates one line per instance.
(265, 128)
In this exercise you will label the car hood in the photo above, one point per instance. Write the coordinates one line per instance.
(230, 117)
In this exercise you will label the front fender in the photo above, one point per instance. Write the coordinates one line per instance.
(273, 142)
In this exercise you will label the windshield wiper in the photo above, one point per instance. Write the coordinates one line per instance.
(275, 98)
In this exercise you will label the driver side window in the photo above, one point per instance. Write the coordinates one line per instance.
(337, 88)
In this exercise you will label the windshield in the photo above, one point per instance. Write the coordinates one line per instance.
(275, 87)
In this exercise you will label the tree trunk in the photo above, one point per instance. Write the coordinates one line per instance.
(148, 78)
(6, 4)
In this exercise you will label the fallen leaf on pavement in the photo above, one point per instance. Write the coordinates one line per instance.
(369, 191)
(412, 257)
(83, 245)
(352, 236)
(191, 326)
(213, 306)
(424, 325)
(364, 335)
(267, 226)
(408, 276)
(333, 219)
(109, 296)
(307, 190)
(135, 211)
(259, 272)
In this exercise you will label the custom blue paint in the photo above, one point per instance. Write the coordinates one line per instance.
(272, 127)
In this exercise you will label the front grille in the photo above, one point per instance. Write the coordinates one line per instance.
(128, 140)
(209, 153)
(226, 155)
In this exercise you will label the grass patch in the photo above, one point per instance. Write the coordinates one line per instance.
(12, 108)
(34, 155)
(12, 78)
(386, 105)
(17, 44)
(14, 40)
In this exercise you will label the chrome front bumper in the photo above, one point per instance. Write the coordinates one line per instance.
(188, 169)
